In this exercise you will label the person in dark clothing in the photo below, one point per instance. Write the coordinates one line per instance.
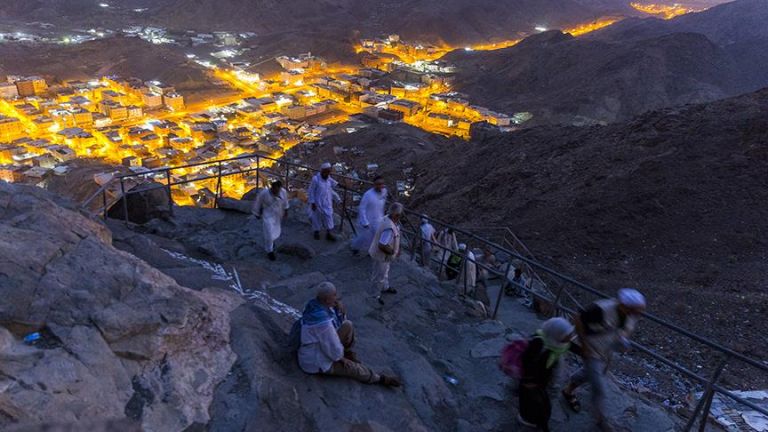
(539, 362)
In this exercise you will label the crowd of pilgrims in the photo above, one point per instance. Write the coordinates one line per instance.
(324, 336)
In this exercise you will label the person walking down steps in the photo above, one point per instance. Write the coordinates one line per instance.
(321, 197)
(271, 207)
(370, 212)
(603, 328)
(540, 363)
(384, 249)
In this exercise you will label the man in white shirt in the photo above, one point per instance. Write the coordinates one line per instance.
(327, 338)
(428, 238)
(384, 249)
(321, 197)
(271, 205)
(370, 212)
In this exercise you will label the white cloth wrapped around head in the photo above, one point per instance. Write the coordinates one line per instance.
(631, 298)
(325, 165)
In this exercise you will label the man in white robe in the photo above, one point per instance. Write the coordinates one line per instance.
(428, 239)
(321, 197)
(469, 270)
(370, 212)
(384, 249)
(270, 206)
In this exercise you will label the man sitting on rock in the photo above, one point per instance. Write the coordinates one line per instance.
(327, 338)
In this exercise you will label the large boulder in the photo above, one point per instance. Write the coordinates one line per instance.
(145, 202)
(119, 338)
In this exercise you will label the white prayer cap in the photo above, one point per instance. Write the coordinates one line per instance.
(325, 165)
(462, 246)
(556, 329)
(632, 298)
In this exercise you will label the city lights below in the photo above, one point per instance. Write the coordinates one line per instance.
(583, 29)
(661, 10)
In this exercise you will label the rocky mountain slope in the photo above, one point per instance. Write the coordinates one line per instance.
(118, 338)
(125, 345)
(128, 57)
(625, 69)
(452, 21)
(669, 202)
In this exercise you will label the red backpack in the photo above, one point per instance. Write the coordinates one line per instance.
(511, 361)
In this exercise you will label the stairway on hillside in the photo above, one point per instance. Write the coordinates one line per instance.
(426, 334)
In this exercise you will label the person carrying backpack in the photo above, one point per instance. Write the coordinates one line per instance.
(603, 328)
(535, 364)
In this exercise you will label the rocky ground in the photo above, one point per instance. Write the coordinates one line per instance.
(426, 334)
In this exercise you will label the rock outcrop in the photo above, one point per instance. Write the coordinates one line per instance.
(145, 202)
(118, 338)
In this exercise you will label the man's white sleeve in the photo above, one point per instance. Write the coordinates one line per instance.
(386, 237)
(363, 209)
(330, 343)
(313, 191)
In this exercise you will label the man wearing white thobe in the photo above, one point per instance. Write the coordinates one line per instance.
(428, 239)
(271, 205)
(321, 196)
(370, 212)
(384, 249)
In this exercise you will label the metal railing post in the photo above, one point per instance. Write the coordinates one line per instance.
(258, 172)
(104, 203)
(556, 302)
(463, 271)
(705, 403)
(218, 188)
(287, 174)
(168, 188)
(125, 200)
(344, 214)
(501, 290)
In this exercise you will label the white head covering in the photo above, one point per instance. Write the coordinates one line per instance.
(462, 246)
(556, 329)
(325, 165)
(632, 298)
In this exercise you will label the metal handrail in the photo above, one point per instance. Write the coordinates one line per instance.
(729, 354)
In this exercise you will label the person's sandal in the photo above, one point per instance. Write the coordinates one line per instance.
(572, 400)
(389, 381)
(351, 356)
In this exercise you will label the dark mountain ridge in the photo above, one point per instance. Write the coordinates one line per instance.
(625, 69)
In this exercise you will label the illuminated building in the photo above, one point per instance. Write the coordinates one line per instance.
(8, 90)
(134, 112)
(152, 100)
(11, 173)
(82, 117)
(173, 101)
(31, 86)
(114, 110)
(160, 88)
(10, 128)
(405, 106)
